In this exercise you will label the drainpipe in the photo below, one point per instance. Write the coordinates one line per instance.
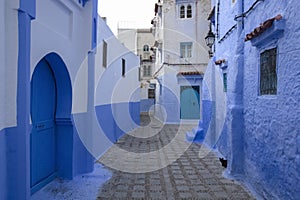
(235, 117)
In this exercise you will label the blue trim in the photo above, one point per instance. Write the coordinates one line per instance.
(28, 7)
(94, 24)
(18, 184)
(82, 2)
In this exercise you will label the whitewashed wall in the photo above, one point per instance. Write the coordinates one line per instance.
(8, 62)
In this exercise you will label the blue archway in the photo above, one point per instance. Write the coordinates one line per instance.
(52, 131)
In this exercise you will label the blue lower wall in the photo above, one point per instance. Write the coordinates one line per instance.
(146, 104)
(18, 163)
(108, 123)
(2, 165)
(83, 161)
(171, 104)
(206, 115)
(72, 159)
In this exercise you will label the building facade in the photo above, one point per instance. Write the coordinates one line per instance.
(256, 58)
(140, 41)
(181, 58)
(52, 97)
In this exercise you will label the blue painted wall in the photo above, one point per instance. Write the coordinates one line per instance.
(3, 175)
(271, 155)
(107, 120)
(72, 156)
(146, 104)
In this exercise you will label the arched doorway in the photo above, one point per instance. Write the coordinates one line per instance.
(43, 136)
(51, 139)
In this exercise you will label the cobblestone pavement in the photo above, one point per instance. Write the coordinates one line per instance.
(188, 177)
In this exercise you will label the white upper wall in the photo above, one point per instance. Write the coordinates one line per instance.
(64, 27)
(177, 30)
(8, 62)
(144, 37)
(111, 86)
(128, 37)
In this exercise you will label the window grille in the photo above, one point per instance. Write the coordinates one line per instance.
(189, 11)
(104, 54)
(182, 12)
(268, 72)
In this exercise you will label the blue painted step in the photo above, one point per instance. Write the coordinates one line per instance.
(196, 135)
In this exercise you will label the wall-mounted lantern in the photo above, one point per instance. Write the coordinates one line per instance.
(210, 40)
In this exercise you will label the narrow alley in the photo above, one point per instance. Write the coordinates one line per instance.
(189, 177)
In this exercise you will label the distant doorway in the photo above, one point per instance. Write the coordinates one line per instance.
(43, 134)
(189, 102)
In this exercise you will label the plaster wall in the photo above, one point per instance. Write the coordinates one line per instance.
(117, 97)
(65, 33)
(8, 81)
(128, 37)
(8, 62)
(176, 30)
(271, 137)
(144, 37)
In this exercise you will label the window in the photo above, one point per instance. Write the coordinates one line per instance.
(186, 49)
(151, 93)
(123, 67)
(146, 70)
(104, 54)
(189, 11)
(146, 48)
(268, 74)
(225, 82)
(182, 12)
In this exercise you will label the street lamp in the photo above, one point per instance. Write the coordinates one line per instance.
(210, 40)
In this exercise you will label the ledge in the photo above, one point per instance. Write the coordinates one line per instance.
(272, 34)
(269, 31)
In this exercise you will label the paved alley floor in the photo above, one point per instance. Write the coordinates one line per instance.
(174, 171)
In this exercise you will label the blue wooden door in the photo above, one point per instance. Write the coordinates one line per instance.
(42, 139)
(189, 102)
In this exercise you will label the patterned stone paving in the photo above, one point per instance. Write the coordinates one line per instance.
(189, 177)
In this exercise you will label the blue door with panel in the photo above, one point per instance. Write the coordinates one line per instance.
(43, 137)
(189, 102)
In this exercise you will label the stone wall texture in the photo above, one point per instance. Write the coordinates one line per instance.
(272, 133)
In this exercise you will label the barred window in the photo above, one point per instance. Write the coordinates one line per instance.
(268, 72)
(225, 82)
(147, 71)
(182, 12)
(189, 11)
(104, 54)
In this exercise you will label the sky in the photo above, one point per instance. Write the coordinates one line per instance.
(127, 13)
